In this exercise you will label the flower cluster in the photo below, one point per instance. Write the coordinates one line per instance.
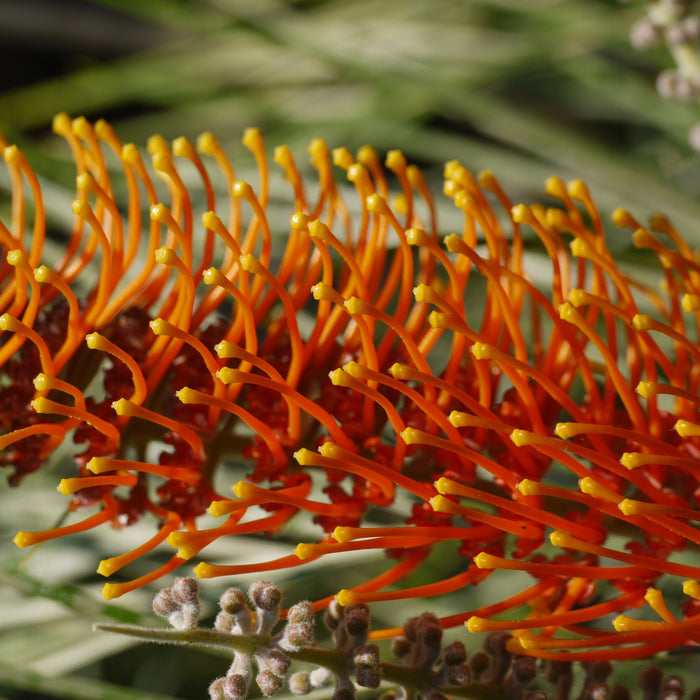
(535, 402)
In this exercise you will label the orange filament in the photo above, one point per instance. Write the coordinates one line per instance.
(26, 539)
(95, 341)
(99, 465)
(69, 486)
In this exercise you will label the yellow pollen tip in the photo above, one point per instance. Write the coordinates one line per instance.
(165, 256)
(690, 302)
(206, 143)
(580, 248)
(242, 489)
(561, 539)
(110, 591)
(623, 219)
(304, 457)
(158, 326)
(376, 203)
(304, 551)
(252, 138)
(186, 395)
(641, 238)
(97, 465)
(521, 438)
(440, 504)
(692, 589)
(64, 487)
(411, 436)
(121, 407)
(443, 485)
(567, 312)
(242, 189)
(528, 487)
(641, 322)
(477, 624)
(487, 180)
(41, 382)
(647, 389)
(628, 506)
(84, 181)
(12, 154)
(521, 214)
(687, 429)
(81, 208)
(106, 567)
(631, 460)
(25, 539)
(342, 534)
(591, 487)
(62, 124)
(482, 351)
(212, 276)
(329, 449)
(416, 236)
(578, 297)
(484, 560)
(564, 430)
(554, 186)
(346, 597)
(339, 377)
(40, 404)
(299, 221)
(41, 273)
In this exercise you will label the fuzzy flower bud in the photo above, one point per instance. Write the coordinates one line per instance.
(367, 668)
(299, 630)
(267, 599)
(268, 683)
(233, 687)
(234, 617)
(179, 604)
(299, 683)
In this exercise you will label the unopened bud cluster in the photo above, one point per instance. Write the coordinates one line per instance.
(673, 23)
(179, 604)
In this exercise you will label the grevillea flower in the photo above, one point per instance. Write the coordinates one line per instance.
(548, 427)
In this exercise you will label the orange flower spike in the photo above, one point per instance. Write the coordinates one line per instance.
(283, 157)
(17, 164)
(27, 539)
(67, 487)
(98, 465)
(123, 407)
(191, 396)
(116, 590)
(569, 313)
(95, 341)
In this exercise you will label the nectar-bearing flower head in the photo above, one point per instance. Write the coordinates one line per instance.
(544, 427)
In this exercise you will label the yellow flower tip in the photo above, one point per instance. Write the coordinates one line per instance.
(12, 154)
(687, 429)
(628, 506)
(564, 430)
(450, 188)
(41, 273)
(561, 539)
(165, 256)
(97, 465)
(156, 144)
(437, 319)
(250, 263)
(578, 297)
(528, 487)
(522, 214)
(41, 382)
(339, 377)
(187, 395)
(416, 236)
(243, 489)
(484, 560)
(578, 189)
(182, 147)
(367, 156)
(16, 257)
(622, 623)
(122, 407)
(304, 457)
(206, 143)
(212, 276)
(477, 624)
(521, 438)
(304, 551)
(622, 218)
(690, 302)
(517, 645)
(692, 589)
(94, 341)
(554, 186)
(242, 189)
(487, 180)
(81, 127)
(567, 312)
(130, 153)
(84, 181)
(299, 221)
(440, 504)
(342, 534)
(110, 591)
(642, 238)
(329, 449)
(556, 218)
(631, 460)
(653, 597)
(591, 487)
(580, 248)
(319, 230)
(411, 436)
(354, 305)
(107, 567)
(162, 160)
(81, 208)
(64, 487)
(25, 539)
(458, 419)
(218, 508)
(443, 485)
(321, 292)
(422, 293)
(282, 155)
(354, 369)
(209, 219)
(647, 389)
(376, 203)
(395, 160)
(482, 351)
(158, 326)
(641, 322)
(40, 404)
(204, 570)
(346, 597)
(252, 138)
(62, 124)
(342, 158)
(7, 322)
(318, 149)
(398, 371)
